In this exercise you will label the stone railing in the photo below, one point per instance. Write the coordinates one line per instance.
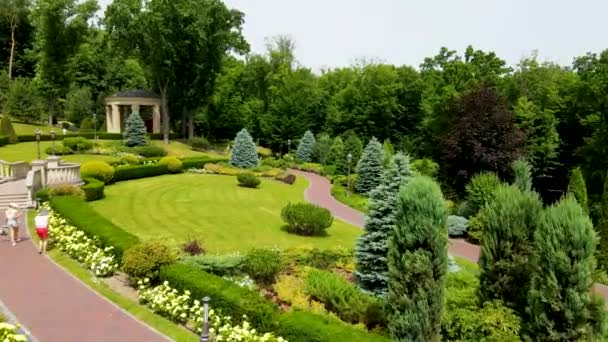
(63, 174)
(13, 171)
(34, 183)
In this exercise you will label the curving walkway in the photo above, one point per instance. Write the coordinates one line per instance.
(319, 193)
(55, 306)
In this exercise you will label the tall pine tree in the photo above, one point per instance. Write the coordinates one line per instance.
(522, 172)
(370, 167)
(354, 146)
(244, 153)
(135, 131)
(372, 247)
(603, 227)
(578, 189)
(417, 262)
(508, 222)
(306, 147)
(322, 150)
(336, 154)
(561, 306)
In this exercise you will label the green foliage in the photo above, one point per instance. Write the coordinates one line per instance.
(98, 170)
(221, 265)
(7, 130)
(457, 225)
(86, 124)
(481, 190)
(93, 224)
(602, 227)
(388, 151)
(130, 172)
(561, 306)
(66, 190)
(79, 144)
(522, 171)
(4, 140)
(306, 219)
(370, 167)
(231, 299)
(263, 265)
(508, 222)
(286, 178)
(79, 106)
(578, 189)
(324, 259)
(144, 260)
(351, 199)
(425, 167)
(149, 151)
(244, 153)
(248, 180)
(322, 150)
(306, 146)
(23, 101)
(337, 294)
(336, 154)
(93, 189)
(58, 150)
(372, 247)
(135, 131)
(354, 146)
(200, 143)
(173, 164)
(417, 262)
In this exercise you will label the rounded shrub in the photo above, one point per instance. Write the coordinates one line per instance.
(174, 165)
(149, 151)
(93, 189)
(58, 150)
(286, 178)
(66, 190)
(481, 190)
(79, 144)
(144, 260)
(263, 265)
(200, 143)
(457, 225)
(248, 180)
(306, 219)
(97, 169)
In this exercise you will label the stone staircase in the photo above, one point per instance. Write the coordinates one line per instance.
(14, 192)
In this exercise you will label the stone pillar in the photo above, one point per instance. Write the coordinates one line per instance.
(156, 119)
(40, 165)
(109, 118)
(135, 108)
(115, 120)
(53, 162)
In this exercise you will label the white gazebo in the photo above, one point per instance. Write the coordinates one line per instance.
(119, 105)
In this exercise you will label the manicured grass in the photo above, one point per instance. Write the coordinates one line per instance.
(180, 149)
(224, 216)
(28, 151)
(142, 313)
(352, 200)
(28, 129)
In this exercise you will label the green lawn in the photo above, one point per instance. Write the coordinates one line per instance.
(179, 149)
(213, 208)
(26, 129)
(28, 151)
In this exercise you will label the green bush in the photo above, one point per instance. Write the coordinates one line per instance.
(129, 159)
(457, 225)
(263, 265)
(200, 143)
(139, 171)
(93, 189)
(306, 219)
(426, 167)
(481, 190)
(4, 140)
(274, 162)
(58, 150)
(43, 195)
(318, 258)
(97, 169)
(93, 224)
(199, 162)
(86, 124)
(173, 164)
(79, 144)
(150, 151)
(144, 260)
(286, 178)
(221, 265)
(248, 180)
(66, 190)
(7, 130)
(231, 299)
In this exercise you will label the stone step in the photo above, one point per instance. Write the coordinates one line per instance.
(20, 199)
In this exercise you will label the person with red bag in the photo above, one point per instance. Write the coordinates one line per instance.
(42, 229)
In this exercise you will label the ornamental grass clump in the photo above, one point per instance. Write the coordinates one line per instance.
(306, 219)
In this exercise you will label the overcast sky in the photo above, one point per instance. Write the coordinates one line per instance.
(333, 33)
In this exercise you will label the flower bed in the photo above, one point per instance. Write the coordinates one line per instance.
(8, 333)
(76, 244)
(180, 308)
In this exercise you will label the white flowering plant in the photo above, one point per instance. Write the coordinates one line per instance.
(8, 333)
(180, 308)
(72, 241)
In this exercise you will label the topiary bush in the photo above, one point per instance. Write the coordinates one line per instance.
(263, 265)
(481, 190)
(248, 180)
(66, 190)
(97, 169)
(150, 151)
(58, 150)
(7, 130)
(79, 144)
(144, 260)
(244, 153)
(93, 189)
(306, 219)
(135, 131)
(200, 143)
(173, 164)
(457, 225)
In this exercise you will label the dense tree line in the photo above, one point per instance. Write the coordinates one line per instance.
(469, 112)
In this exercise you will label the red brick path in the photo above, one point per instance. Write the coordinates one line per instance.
(56, 307)
(319, 193)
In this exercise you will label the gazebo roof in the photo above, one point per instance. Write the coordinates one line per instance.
(136, 93)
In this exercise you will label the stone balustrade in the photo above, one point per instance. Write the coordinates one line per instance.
(63, 174)
(13, 171)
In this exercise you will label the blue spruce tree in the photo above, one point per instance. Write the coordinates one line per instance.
(372, 247)
(370, 167)
(306, 147)
(135, 131)
(244, 153)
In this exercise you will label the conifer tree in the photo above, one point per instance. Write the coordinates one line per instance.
(322, 149)
(372, 247)
(561, 306)
(578, 189)
(370, 167)
(135, 131)
(6, 129)
(602, 227)
(354, 146)
(522, 170)
(417, 262)
(388, 151)
(305, 150)
(508, 223)
(336, 154)
(244, 153)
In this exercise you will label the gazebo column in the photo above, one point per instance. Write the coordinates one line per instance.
(156, 119)
(115, 119)
(109, 118)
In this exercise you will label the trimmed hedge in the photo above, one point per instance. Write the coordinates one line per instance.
(199, 162)
(81, 215)
(4, 140)
(124, 173)
(100, 135)
(299, 326)
(93, 189)
(231, 299)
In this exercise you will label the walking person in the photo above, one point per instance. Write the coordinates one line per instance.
(12, 221)
(42, 229)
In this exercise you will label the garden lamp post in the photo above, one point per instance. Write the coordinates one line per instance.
(349, 157)
(38, 133)
(95, 125)
(205, 328)
(53, 139)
